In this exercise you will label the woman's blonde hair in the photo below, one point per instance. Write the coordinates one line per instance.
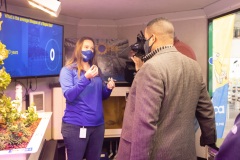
(77, 55)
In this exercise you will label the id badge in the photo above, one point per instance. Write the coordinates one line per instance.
(83, 133)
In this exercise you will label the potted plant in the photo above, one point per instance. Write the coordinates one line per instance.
(15, 127)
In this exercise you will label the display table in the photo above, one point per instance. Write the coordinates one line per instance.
(35, 145)
(112, 133)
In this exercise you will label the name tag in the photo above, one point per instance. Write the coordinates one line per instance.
(83, 133)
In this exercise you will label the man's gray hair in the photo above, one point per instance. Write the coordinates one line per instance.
(161, 26)
(160, 19)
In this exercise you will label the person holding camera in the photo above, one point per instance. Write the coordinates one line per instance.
(138, 53)
(83, 88)
(166, 95)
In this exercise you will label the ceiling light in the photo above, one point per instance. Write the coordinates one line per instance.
(52, 7)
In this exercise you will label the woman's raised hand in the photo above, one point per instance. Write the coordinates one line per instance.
(91, 72)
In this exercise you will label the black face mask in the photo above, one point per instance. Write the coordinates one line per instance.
(147, 48)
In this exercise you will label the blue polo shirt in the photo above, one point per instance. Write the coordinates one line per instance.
(83, 98)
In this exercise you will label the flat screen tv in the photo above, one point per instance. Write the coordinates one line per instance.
(35, 46)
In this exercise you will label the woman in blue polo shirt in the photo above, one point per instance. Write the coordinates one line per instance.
(84, 90)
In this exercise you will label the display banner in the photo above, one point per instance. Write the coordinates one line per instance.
(220, 106)
(222, 36)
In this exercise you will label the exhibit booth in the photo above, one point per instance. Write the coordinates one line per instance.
(212, 32)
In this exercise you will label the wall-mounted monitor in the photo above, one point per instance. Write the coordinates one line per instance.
(35, 46)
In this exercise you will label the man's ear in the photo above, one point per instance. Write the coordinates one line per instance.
(153, 38)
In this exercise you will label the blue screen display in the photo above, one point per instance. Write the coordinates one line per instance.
(35, 47)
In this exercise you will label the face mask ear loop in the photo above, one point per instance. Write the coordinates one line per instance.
(150, 47)
(149, 38)
(146, 45)
(152, 43)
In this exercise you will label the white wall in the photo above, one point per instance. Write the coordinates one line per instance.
(194, 33)
(101, 32)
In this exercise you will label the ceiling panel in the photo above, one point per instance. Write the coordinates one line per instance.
(121, 9)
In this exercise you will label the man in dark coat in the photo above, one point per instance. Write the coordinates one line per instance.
(166, 95)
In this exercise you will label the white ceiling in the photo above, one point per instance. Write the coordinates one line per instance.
(120, 9)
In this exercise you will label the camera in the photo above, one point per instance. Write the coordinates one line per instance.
(138, 47)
